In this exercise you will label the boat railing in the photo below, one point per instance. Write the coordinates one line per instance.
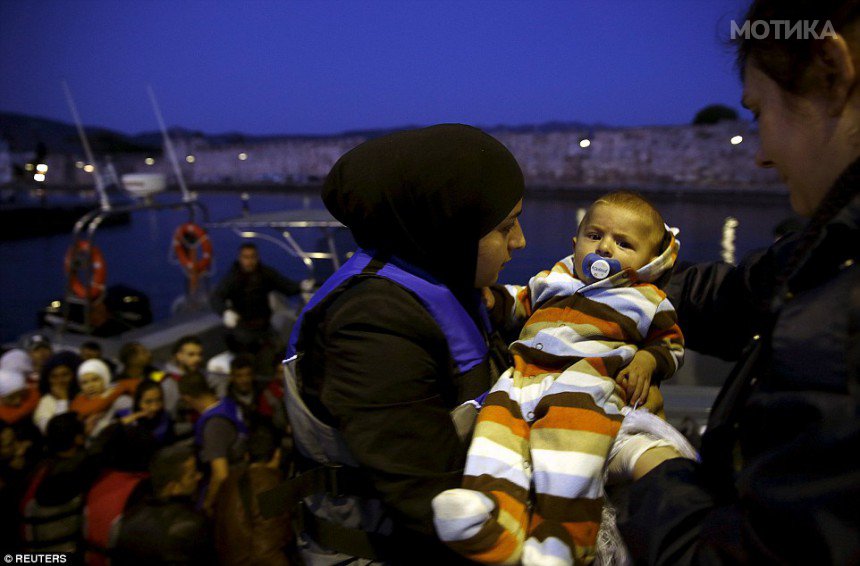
(197, 212)
(284, 223)
(85, 231)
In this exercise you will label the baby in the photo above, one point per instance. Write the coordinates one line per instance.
(597, 333)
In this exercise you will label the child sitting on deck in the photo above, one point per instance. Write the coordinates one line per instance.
(598, 333)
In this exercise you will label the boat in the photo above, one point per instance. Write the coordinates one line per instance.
(31, 213)
(120, 314)
(83, 313)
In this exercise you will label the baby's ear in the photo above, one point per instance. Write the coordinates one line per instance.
(574, 242)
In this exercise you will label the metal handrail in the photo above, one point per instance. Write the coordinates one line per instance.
(90, 222)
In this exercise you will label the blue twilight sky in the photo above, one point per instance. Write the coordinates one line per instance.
(317, 67)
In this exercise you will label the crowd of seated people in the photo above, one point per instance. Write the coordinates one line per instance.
(126, 461)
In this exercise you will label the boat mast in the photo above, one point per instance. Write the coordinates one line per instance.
(168, 144)
(100, 186)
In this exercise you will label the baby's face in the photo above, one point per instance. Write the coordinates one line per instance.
(92, 384)
(615, 232)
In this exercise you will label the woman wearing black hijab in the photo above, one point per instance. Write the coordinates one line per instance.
(397, 338)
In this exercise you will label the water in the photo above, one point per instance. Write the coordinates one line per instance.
(137, 254)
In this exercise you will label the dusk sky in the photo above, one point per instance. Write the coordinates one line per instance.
(321, 67)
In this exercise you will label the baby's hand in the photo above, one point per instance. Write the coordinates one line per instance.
(635, 378)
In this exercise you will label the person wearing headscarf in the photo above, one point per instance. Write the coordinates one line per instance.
(397, 337)
(18, 399)
(100, 399)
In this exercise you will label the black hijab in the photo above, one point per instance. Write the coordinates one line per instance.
(426, 196)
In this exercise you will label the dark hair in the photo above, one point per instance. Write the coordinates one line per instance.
(248, 246)
(166, 466)
(242, 361)
(69, 359)
(190, 339)
(194, 385)
(62, 432)
(126, 351)
(145, 385)
(787, 60)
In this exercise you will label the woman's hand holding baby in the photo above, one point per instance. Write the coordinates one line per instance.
(635, 378)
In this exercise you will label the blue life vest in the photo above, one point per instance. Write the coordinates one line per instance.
(466, 342)
(349, 517)
(226, 408)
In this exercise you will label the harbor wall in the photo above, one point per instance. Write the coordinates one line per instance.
(700, 157)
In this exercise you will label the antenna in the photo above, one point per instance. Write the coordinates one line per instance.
(100, 186)
(171, 152)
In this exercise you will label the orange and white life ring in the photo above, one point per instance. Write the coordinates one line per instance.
(86, 255)
(193, 248)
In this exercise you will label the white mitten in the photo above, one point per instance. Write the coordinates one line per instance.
(230, 318)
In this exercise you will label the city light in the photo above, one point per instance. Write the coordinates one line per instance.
(89, 168)
(28, 167)
(584, 143)
(243, 156)
(736, 140)
(39, 177)
(189, 158)
(149, 161)
(42, 168)
(79, 164)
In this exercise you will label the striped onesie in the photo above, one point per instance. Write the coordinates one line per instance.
(533, 484)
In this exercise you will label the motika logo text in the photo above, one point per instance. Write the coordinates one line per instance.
(783, 29)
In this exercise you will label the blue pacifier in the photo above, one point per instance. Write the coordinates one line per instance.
(596, 268)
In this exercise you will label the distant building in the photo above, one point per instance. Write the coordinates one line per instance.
(709, 157)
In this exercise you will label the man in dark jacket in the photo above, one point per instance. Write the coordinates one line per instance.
(166, 529)
(242, 299)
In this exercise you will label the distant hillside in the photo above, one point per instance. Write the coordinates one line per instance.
(24, 133)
